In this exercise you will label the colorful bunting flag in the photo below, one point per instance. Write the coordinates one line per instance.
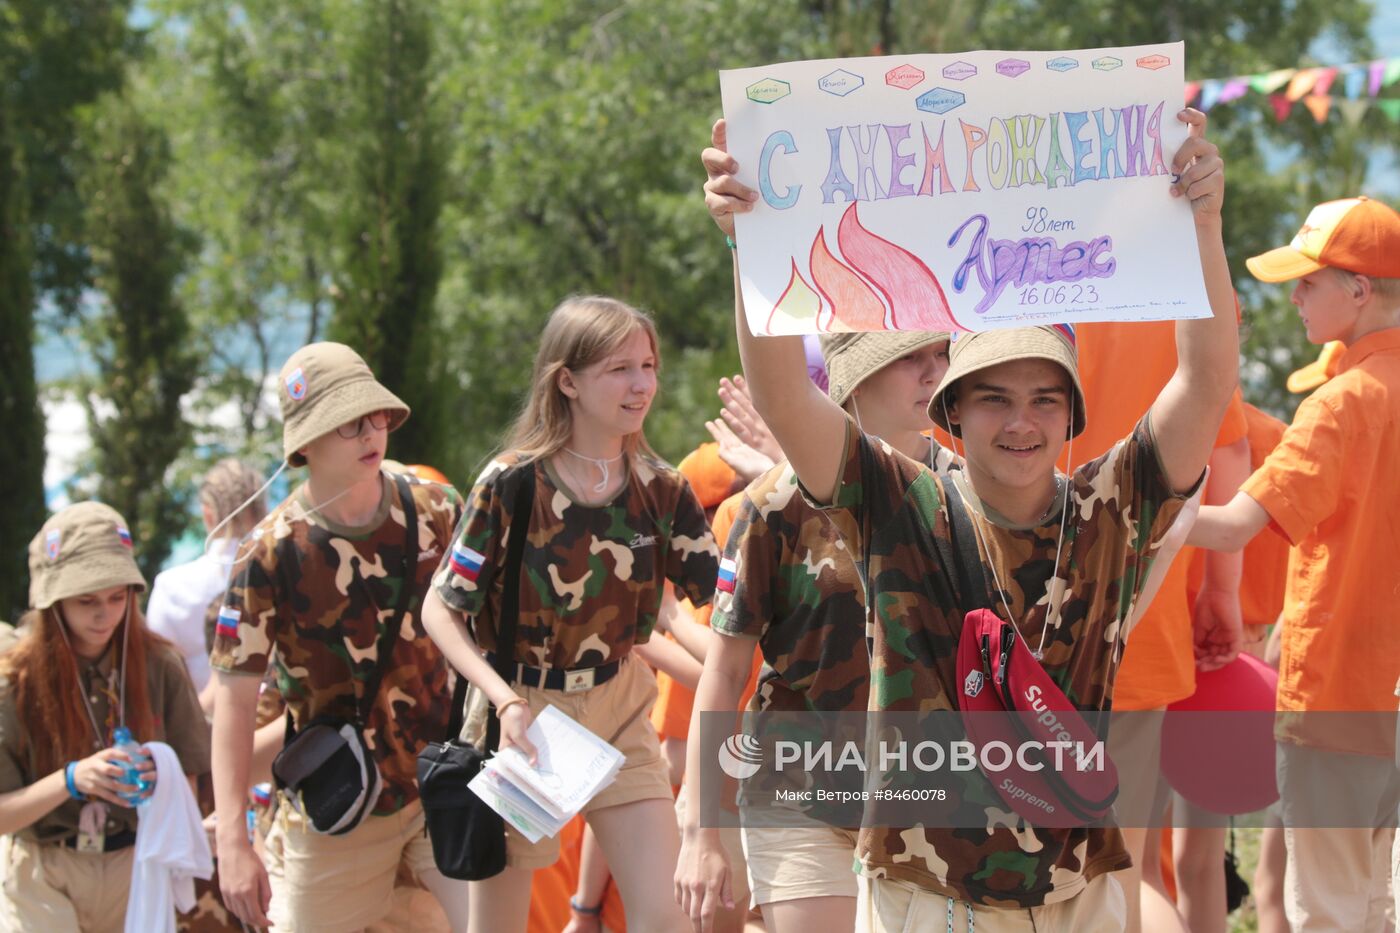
(1268, 83)
(1210, 94)
(1319, 105)
(1311, 86)
(1352, 110)
(1234, 89)
(1354, 82)
(1301, 84)
(1377, 76)
(1325, 77)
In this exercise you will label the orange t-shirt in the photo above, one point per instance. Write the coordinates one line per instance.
(1265, 569)
(674, 701)
(1123, 367)
(1330, 488)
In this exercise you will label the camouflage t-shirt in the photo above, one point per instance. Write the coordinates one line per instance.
(1120, 505)
(298, 576)
(594, 573)
(800, 592)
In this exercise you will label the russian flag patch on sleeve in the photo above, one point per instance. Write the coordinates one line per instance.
(725, 583)
(466, 563)
(228, 622)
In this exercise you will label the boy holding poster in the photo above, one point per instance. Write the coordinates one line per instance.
(1013, 399)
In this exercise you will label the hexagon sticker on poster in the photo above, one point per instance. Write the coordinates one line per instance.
(999, 200)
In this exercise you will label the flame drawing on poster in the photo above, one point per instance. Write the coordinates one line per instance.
(798, 304)
(853, 304)
(879, 286)
(915, 298)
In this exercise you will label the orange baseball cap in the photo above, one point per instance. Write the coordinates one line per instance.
(1319, 370)
(1355, 234)
(710, 477)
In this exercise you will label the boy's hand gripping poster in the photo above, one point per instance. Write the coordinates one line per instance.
(963, 192)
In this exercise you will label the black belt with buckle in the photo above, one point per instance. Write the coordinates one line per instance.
(558, 678)
(113, 843)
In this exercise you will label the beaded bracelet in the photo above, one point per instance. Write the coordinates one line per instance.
(584, 911)
(70, 780)
(730, 241)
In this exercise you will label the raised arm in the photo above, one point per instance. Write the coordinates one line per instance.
(1186, 416)
(808, 426)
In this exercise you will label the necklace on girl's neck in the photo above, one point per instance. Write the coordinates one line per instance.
(601, 463)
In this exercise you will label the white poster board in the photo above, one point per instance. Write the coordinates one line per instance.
(965, 191)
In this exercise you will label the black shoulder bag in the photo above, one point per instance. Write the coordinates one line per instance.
(326, 771)
(468, 837)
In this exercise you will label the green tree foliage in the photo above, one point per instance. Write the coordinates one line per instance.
(140, 337)
(251, 98)
(22, 469)
(390, 252)
(577, 171)
(53, 58)
(58, 57)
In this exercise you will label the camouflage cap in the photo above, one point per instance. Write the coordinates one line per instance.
(81, 549)
(853, 358)
(321, 387)
(972, 352)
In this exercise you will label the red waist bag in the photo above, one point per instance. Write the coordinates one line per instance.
(1005, 696)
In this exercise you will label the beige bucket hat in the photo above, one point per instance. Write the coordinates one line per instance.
(971, 352)
(321, 387)
(853, 358)
(81, 549)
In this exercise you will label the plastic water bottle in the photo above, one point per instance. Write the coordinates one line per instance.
(123, 742)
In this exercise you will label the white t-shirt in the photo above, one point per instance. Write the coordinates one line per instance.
(181, 597)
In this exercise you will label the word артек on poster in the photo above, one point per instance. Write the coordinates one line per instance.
(965, 191)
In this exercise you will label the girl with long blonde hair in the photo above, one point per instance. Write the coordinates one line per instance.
(609, 523)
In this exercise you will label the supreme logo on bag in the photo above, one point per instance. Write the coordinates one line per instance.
(1057, 770)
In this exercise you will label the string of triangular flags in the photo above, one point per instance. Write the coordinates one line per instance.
(1359, 83)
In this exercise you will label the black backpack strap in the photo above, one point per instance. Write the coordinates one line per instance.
(961, 554)
(407, 587)
(508, 623)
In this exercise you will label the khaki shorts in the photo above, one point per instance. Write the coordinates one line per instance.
(1135, 745)
(1336, 878)
(791, 863)
(619, 712)
(340, 883)
(730, 839)
(887, 906)
(51, 887)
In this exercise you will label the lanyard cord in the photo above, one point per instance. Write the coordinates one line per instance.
(121, 687)
(1053, 594)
